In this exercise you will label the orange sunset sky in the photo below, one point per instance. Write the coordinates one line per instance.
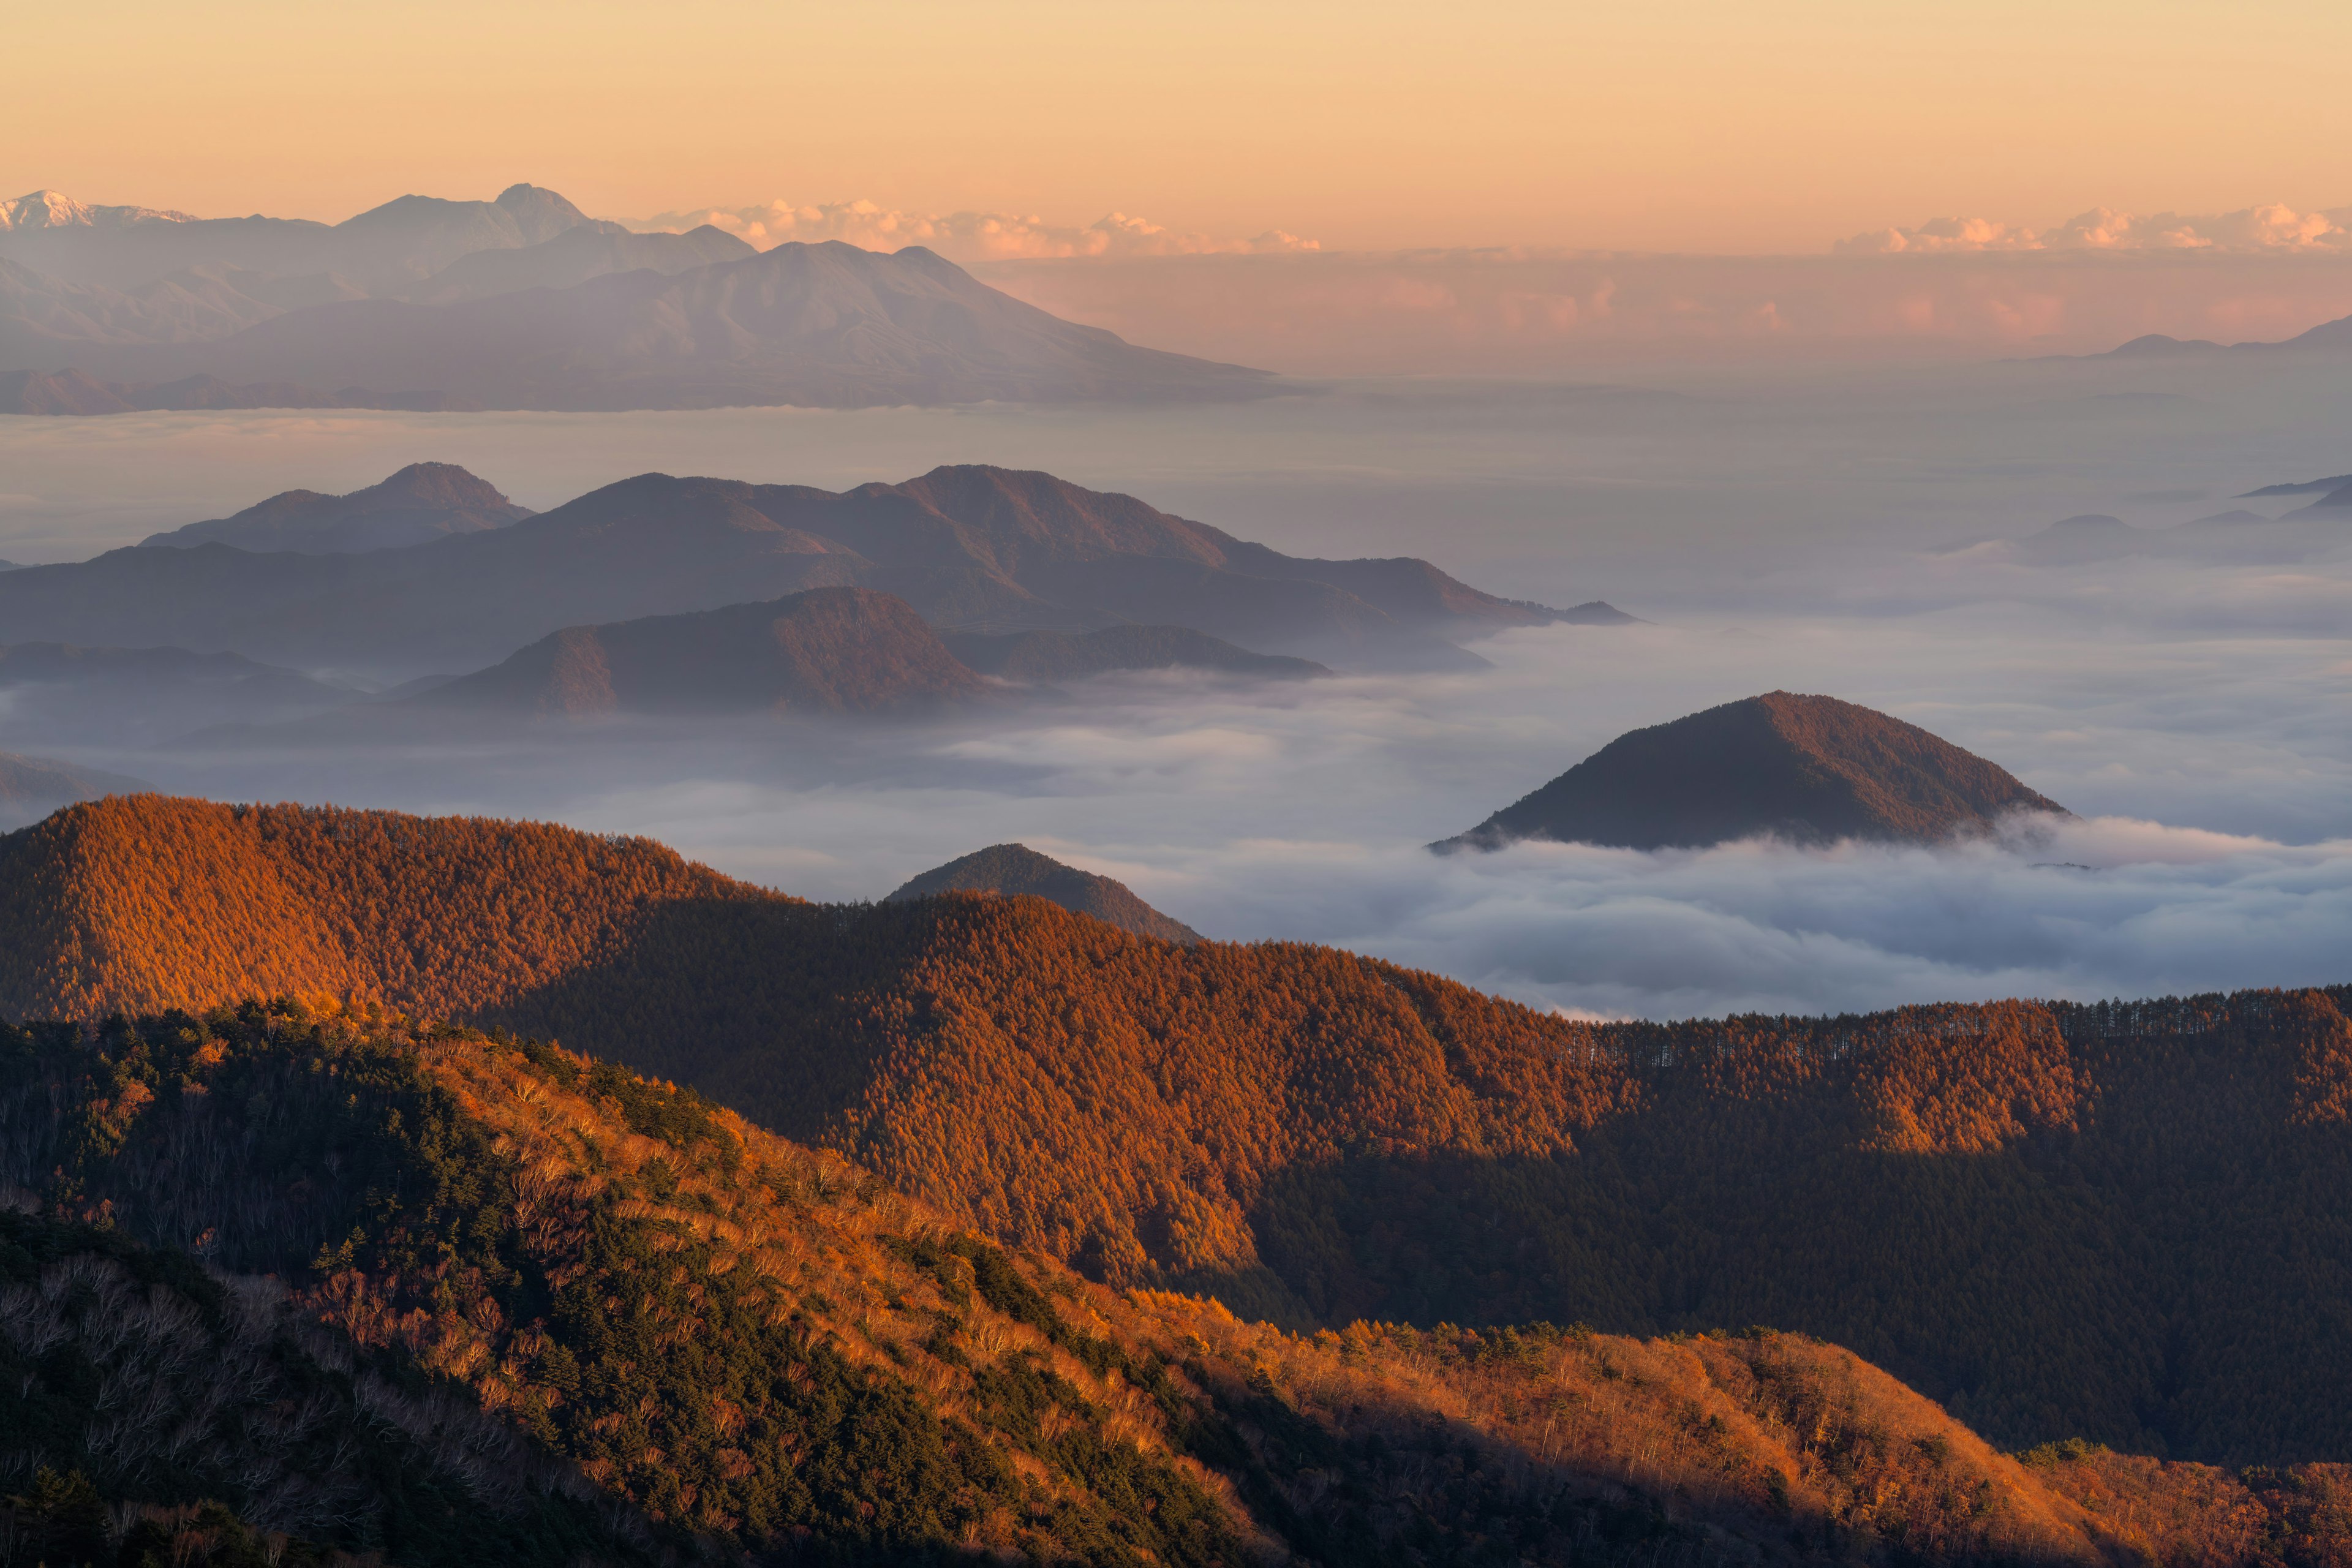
(1696, 125)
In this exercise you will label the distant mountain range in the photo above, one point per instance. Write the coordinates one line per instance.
(2329, 337)
(1809, 768)
(2318, 531)
(1017, 870)
(521, 303)
(400, 243)
(980, 550)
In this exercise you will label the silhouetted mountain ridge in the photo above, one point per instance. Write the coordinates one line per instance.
(974, 548)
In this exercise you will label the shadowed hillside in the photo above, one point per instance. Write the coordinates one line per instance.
(1811, 769)
(828, 650)
(592, 1314)
(2130, 1222)
(1015, 868)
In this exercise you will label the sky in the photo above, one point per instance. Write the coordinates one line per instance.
(1685, 125)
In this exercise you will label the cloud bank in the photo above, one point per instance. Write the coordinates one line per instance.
(2268, 229)
(963, 236)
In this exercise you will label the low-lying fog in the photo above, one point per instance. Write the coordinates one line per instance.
(1822, 535)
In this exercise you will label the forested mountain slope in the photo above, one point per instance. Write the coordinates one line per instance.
(584, 1315)
(2131, 1223)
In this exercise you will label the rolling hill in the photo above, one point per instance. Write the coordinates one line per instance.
(421, 502)
(980, 550)
(2126, 1222)
(1017, 870)
(1810, 769)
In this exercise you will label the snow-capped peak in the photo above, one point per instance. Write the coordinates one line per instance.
(55, 210)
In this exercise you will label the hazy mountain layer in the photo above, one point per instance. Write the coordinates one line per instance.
(1017, 869)
(39, 781)
(567, 1314)
(1067, 655)
(401, 241)
(981, 550)
(2127, 1222)
(1811, 769)
(421, 502)
(824, 325)
(122, 697)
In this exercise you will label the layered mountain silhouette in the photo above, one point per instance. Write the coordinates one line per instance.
(827, 651)
(1301, 1132)
(2315, 531)
(838, 651)
(133, 696)
(447, 1296)
(32, 787)
(979, 550)
(421, 502)
(525, 302)
(1809, 768)
(1008, 869)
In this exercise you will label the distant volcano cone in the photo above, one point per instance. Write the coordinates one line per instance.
(1811, 769)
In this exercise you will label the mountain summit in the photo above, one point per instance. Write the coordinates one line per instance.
(423, 501)
(1812, 769)
(1015, 868)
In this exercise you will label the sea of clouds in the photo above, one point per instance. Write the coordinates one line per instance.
(1861, 535)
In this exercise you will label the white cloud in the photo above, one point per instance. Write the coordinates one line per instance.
(962, 236)
(2256, 230)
